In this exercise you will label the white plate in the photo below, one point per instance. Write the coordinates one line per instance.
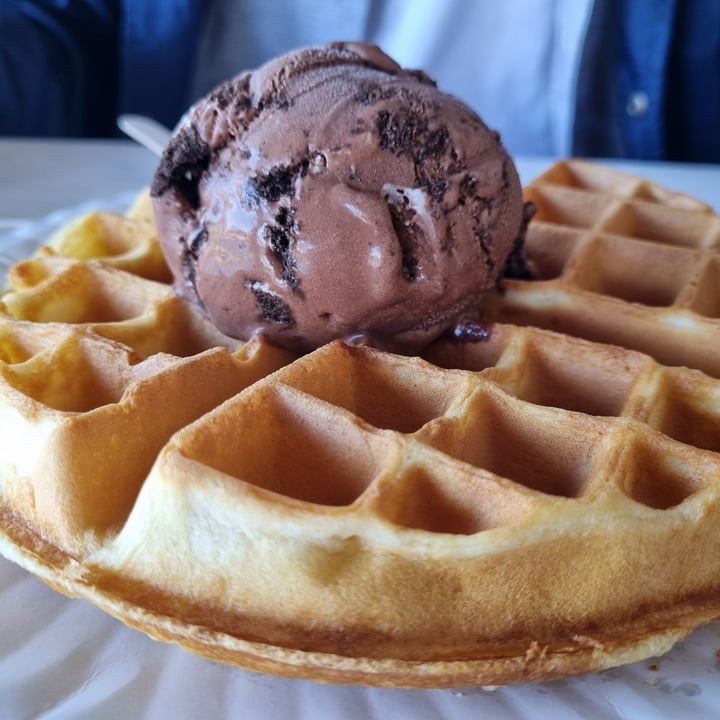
(62, 658)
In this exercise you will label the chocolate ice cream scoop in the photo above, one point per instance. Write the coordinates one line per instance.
(332, 194)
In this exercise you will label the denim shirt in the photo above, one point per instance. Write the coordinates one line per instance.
(68, 67)
(648, 82)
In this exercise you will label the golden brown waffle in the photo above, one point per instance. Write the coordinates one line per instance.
(620, 260)
(128, 242)
(525, 506)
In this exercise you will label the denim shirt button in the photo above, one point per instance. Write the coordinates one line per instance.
(637, 104)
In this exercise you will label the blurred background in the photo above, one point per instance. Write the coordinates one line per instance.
(637, 79)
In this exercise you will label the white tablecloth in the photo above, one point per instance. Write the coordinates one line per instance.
(40, 176)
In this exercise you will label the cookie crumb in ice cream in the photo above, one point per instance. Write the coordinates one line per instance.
(269, 187)
(182, 166)
(517, 265)
(272, 308)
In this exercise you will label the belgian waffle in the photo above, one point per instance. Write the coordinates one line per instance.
(619, 259)
(524, 505)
